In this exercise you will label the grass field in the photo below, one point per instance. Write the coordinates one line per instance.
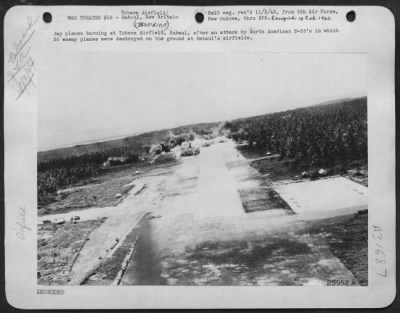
(99, 191)
(347, 238)
(58, 247)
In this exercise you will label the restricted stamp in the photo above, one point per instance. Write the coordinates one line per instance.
(199, 157)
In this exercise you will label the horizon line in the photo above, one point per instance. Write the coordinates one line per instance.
(107, 139)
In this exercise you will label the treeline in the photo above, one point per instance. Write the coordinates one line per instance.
(322, 135)
(57, 174)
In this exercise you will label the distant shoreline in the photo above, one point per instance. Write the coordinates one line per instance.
(88, 142)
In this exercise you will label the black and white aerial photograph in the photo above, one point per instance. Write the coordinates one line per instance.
(202, 169)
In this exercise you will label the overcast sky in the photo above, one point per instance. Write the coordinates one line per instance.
(93, 96)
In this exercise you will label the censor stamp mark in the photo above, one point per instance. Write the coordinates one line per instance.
(53, 292)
